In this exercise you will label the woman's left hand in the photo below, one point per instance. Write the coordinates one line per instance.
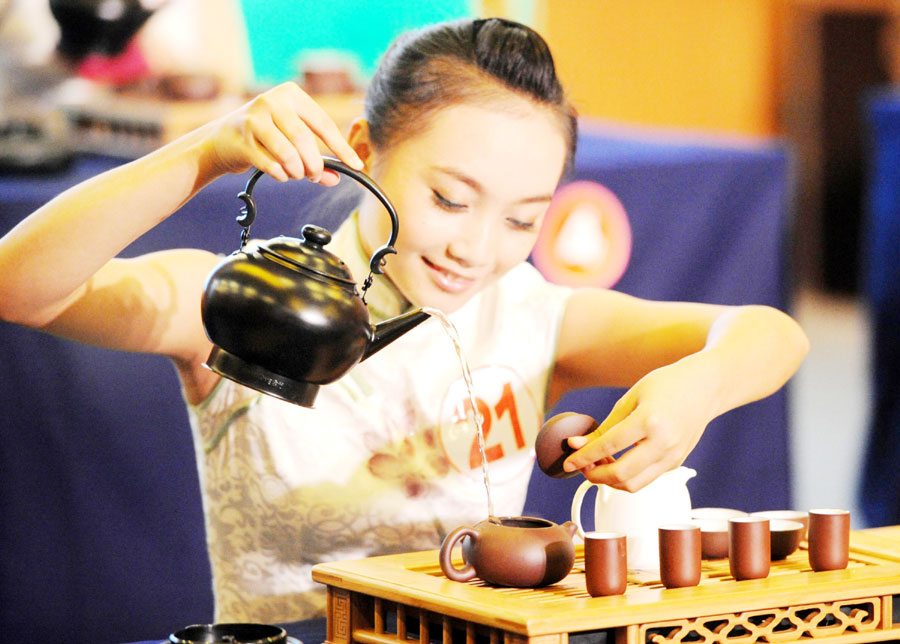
(684, 363)
(658, 421)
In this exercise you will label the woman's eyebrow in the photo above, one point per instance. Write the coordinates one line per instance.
(536, 199)
(464, 178)
(477, 187)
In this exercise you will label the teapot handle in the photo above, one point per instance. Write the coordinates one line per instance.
(453, 573)
(248, 212)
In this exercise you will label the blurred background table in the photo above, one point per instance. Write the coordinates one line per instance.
(103, 537)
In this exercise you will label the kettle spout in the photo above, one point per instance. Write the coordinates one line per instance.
(389, 330)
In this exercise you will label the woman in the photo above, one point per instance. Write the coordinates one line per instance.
(468, 132)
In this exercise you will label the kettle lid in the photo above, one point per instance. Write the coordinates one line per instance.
(308, 255)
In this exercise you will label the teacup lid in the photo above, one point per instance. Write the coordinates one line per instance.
(551, 446)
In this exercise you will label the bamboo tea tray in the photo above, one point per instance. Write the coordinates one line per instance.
(398, 599)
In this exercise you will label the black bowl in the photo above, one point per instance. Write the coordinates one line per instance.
(237, 633)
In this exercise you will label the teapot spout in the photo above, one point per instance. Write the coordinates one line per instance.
(386, 332)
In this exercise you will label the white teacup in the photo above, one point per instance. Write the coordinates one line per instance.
(639, 514)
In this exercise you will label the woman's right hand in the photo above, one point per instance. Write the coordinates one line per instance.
(277, 132)
(58, 273)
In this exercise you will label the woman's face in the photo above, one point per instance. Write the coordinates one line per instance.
(470, 191)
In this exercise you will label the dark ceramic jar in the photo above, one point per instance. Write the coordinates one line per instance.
(284, 315)
(288, 305)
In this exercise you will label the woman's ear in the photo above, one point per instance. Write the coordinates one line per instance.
(360, 142)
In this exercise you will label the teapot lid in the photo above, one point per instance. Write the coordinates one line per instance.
(308, 255)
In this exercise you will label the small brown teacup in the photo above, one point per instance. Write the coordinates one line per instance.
(749, 547)
(605, 563)
(789, 515)
(679, 555)
(829, 539)
(713, 537)
(785, 537)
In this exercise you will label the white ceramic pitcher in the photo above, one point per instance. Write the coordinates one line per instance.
(639, 514)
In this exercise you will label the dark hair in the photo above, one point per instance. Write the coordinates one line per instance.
(463, 60)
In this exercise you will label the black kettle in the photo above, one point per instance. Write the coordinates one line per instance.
(285, 315)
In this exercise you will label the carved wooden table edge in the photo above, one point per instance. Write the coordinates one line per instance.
(398, 599)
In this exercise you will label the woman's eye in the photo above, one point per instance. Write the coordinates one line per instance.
(520, 225)
(445, 203)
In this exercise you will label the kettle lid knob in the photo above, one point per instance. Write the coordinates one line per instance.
(315, 236)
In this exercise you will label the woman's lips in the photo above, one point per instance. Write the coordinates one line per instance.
(447, 280)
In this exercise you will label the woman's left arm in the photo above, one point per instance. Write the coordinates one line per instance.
(684, 364)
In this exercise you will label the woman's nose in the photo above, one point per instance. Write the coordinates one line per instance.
(474, 246)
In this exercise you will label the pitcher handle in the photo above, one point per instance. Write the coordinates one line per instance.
(576, 505)
(453, 573)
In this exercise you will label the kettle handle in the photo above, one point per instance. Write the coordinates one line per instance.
(248, 212)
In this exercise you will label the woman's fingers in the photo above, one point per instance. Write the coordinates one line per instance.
(606, 445)
(631, 472)
(651, 446)
(605, 441)
(283, 126)
(323, 126)
(656, 424)
(273, 145)
(329, 178)
(293, 144)
(259, 157)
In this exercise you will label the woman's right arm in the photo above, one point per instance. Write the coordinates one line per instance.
(57, 266)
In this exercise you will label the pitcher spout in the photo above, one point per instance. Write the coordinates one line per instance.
(386, 332)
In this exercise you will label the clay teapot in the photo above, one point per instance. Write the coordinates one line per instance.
(522, 552)
(285, 315)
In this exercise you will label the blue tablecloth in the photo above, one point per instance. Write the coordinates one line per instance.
(102, 537)
(879, 497)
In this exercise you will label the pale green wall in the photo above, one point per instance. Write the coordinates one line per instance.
(282, 30)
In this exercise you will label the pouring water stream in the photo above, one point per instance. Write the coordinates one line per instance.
(453, 334)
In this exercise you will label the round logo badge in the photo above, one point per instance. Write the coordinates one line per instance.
(510, 422)
(586, 237)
